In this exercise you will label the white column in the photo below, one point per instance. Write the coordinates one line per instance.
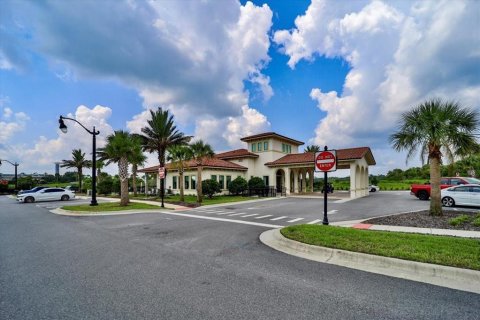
(295, 180)
(287, 180)
(353, 180)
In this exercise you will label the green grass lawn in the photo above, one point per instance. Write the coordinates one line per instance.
(443, 250)
(189, 199)
(110, 206)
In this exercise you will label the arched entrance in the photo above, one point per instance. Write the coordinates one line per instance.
(280, 180)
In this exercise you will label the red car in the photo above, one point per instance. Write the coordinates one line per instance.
(422, 191)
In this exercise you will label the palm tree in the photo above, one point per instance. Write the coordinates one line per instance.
(179, 157)
(200, 151)
(119, 149)
(437, 128)
(78, 161)
(160, 134)
(313, 148)
(100, 164)
(137, 159)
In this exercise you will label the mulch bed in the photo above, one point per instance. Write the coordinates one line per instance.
(423, 219)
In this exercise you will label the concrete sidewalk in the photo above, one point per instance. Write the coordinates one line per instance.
(450, 277)
(357, 224)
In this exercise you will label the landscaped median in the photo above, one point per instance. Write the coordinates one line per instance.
(440, 260)
(443, 250)
(110, 207)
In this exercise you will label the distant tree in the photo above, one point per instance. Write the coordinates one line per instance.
(105, 186)
(137, 158)
(78, 162)
(437, 128)
(313, 148)
(200, 151)
(210, 187)
(238, 186)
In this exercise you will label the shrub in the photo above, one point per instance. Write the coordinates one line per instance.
(238, 186)
(105, 186)
(210, 187)
(459, 220)
(256, 182)
(476, 221)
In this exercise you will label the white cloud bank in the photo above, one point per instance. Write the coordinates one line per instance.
(399, 52)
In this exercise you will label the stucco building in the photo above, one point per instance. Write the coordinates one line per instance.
(276, 159)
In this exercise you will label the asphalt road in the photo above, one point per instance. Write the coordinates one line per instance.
(158, 266)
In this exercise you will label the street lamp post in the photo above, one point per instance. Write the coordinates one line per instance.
(94, 134)
(15, 165)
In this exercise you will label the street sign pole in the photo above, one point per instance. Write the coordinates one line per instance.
(325, 161)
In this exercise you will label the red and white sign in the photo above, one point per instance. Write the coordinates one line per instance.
(161, 172)
(326, 161)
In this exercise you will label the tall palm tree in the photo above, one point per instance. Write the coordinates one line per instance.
(437, 128)
(179, 157)
(160, 134)
(78, 161)
(200, 151)
(119, 149)
(137, 159)
(313, 148)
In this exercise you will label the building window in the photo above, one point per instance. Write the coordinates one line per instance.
(221, 180)
(174, 182)
(259, 146)
(187, 180)
(229, 179)
(213, 177)
(254, 147)
(266, 181)
(194, 182)
(265, 146)
(289, 148)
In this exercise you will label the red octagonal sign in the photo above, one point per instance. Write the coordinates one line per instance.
(326, 161)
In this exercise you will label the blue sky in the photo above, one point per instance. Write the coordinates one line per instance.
(324, 72)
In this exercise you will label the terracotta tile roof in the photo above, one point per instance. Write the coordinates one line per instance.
(271, 135)
(234, 154)
(342, 155)
(208, 163)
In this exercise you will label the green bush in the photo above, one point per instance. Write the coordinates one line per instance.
(238, 186)
(459, 220)
(210, 187)
(256, 182)
(105, 186)
(476, 221)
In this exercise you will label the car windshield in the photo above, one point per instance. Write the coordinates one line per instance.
(473, 180)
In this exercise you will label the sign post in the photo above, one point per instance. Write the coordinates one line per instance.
(325, 161)
(161, 174)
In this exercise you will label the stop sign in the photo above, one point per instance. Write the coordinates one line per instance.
(326, 161)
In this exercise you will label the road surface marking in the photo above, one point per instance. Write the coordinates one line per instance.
(250, 215)
(332, 212)
(261, 217)
(223, 219)
(314, 221)
(283, 217)
(236, 214)
(295, 220)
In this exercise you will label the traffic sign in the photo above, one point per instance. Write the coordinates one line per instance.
(326, 161)
(161, 172)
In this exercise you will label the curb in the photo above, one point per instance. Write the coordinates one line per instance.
(63, 212)
(444, 276)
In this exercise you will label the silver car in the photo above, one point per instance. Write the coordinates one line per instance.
(463, 195)
(47, 194)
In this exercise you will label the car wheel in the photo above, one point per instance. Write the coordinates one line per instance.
(448, 202)
(65, 198)
(373, 190)
(423, 195)
(29, 199)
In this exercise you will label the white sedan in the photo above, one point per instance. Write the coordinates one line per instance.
(464, 195)
(47, 194)
(373, 188)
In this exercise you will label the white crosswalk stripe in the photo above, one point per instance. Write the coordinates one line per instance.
(265, 216)
(295, 220)
(279, 218)
(250, 215)
(236, 214)
(314, 221)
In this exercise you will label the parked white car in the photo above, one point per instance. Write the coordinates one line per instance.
(47, 194)
(373, 188)
(463, 195)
